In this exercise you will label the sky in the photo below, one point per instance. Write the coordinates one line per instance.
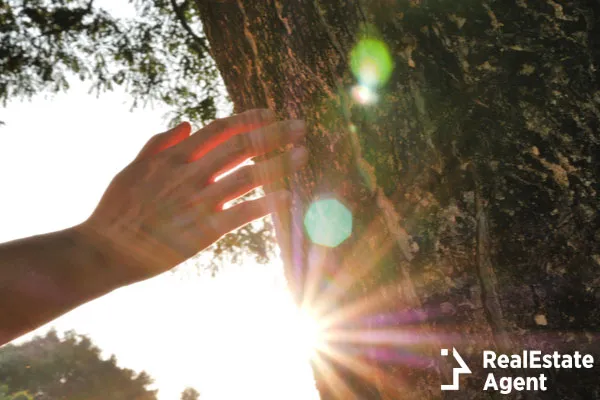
(233, 336)
(236, 335)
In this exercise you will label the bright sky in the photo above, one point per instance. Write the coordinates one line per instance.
(235, 336)
(230, 337)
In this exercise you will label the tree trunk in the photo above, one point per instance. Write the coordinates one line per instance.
(471, 180)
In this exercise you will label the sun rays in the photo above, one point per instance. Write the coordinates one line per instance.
(369, 333)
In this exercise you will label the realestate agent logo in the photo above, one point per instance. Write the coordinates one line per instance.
(463, 369)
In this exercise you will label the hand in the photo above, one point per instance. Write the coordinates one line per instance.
(166, 205)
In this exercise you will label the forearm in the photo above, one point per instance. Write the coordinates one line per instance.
(42, 277)
(160, 210)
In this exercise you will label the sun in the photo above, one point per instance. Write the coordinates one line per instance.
(308, 333)
(252, 342)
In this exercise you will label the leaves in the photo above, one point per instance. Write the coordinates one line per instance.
(68, 367)
(5, 395)
(160, 56)
(190, 394)
(44, 45)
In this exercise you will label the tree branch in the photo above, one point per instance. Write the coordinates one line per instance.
(179, 13)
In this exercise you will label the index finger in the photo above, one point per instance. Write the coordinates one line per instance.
(218, 131)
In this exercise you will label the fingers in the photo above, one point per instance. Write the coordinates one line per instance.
(164, 140)
(241, 147)
(250, 177)
(220, 130)
(248, 211)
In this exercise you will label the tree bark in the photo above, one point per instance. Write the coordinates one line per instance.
(472, 181)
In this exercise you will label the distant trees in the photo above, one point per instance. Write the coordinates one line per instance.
(49, 367)
(190, 394)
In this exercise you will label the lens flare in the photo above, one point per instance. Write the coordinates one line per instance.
(371, 62)
(309, 333)
(363, 94)
(328, 222)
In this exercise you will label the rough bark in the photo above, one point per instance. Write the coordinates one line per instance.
(473, 181)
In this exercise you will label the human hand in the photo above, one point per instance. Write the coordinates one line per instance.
(166, 205)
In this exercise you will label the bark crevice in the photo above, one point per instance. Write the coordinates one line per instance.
(485, 271)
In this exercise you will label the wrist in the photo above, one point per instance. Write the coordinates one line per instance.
(101, 266)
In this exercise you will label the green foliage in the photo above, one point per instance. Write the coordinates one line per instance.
(5, 395)
(155, 56)
(69, 368)
(160, 55)
(256, 239)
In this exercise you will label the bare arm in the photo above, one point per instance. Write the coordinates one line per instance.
(159, 211)
(44, 276)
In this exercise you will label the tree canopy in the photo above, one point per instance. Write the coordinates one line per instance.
(158, 56)
(473, 180)
(50, 367)
(190, 394)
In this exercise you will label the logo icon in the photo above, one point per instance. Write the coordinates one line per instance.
(463, 369)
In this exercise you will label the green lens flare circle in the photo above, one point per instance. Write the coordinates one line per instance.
(371, 62)
(328, 222)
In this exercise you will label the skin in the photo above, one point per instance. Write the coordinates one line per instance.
(160, 210)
